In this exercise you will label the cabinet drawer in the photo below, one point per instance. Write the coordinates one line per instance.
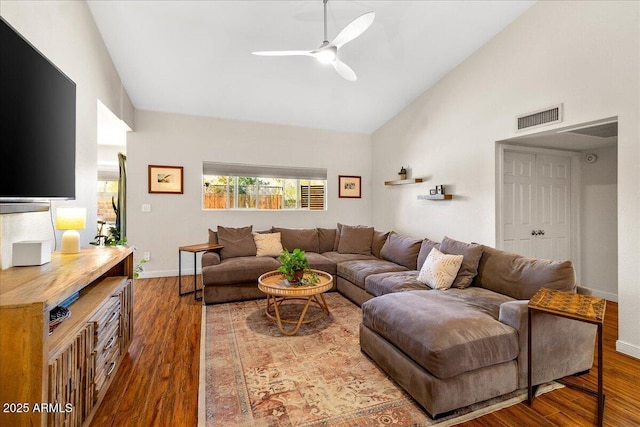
(106, 317)
(106, 366)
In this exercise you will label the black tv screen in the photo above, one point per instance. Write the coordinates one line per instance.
(37, 124)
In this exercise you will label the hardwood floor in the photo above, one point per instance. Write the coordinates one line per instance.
(157, 384)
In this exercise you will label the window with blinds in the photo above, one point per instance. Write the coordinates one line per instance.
(238, 186)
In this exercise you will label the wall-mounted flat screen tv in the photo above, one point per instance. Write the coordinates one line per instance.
(37, 124)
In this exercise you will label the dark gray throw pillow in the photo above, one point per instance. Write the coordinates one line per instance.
(236, 241)
(355, 240)
(300, 238)
(471, 252)
(401, 250)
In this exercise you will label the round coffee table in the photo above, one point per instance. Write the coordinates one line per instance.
(279, 290)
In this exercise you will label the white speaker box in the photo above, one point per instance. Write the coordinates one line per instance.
(31, 252)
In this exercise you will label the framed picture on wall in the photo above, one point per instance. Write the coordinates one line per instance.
(349, 187)
(166, 179)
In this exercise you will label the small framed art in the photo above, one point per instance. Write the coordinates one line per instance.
(349, 187)
(166, 179)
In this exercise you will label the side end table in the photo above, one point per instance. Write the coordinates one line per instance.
(583, 308)
(200, 247)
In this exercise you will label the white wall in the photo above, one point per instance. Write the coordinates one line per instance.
(65, 32)
(180, 140)
(599, 223)
(582, 54)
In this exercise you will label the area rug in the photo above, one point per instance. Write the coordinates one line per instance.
(252, 375)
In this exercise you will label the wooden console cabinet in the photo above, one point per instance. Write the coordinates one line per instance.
(60, 378)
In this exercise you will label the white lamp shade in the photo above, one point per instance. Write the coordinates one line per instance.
(71, 218)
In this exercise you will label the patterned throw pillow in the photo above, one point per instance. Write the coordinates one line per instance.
(439, 270)
(268, 244)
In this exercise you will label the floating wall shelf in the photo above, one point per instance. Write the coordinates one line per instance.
(435, 197)
(403, 181)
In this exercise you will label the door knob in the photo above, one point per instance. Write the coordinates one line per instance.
(541, 232)
(534, 233)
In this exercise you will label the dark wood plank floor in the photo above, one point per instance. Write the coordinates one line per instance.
(157, 384)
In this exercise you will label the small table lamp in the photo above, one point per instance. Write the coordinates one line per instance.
(71, 219)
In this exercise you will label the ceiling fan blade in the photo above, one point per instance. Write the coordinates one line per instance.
(354, 29)
(344, 70)
(283, 53)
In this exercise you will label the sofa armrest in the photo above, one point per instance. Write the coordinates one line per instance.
(210, 258)
(561, 346)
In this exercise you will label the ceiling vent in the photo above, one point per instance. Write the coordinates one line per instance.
(540, 118)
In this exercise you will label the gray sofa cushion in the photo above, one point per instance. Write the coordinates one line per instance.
(355, 240)
(441, 333)
(320, 262)
(357, 271)
(303, 238)
(401, 250)
(338, 257)
(396, 281)
(238, 270)
(326, 239)
(237, 242)
(471, 253)
(521, 277)
(425, 248)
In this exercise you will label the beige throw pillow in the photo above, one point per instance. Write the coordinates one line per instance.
(439, 270)
(267, 244)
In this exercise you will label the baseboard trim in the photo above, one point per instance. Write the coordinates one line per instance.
(186, 272)
(628, 349)
(596, 293)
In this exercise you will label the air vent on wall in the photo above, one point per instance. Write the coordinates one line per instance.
(540, 118)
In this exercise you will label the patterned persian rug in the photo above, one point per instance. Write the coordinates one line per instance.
(252, 375)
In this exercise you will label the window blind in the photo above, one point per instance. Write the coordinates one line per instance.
(237, 169)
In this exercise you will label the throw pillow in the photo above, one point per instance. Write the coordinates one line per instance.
(472, 253)
(301, 238)
(213, 237)
(379, 239)
(425, 249)
(267, 244)
(401, 250)
(236, 241)
(355, 240)
(326, 239)
(439, 270)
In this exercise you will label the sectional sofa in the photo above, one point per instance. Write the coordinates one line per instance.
(448, 348)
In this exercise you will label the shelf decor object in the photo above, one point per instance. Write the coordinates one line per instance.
(403, 181)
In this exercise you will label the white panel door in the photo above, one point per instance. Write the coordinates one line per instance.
(536, 205)
(518, 202)
(554, 207)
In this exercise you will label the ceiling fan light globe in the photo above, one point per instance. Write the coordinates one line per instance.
(326, 56)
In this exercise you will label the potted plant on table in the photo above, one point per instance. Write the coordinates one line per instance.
(294, 266)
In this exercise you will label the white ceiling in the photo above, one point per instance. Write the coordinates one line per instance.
(194, 57)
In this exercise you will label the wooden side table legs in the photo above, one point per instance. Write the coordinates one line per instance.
(195, 276)
(599, 393)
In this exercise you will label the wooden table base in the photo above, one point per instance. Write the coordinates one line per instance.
(275, 302)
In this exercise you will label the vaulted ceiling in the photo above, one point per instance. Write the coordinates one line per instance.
(194, 57)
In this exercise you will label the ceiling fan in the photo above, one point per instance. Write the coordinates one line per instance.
(327, 53)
